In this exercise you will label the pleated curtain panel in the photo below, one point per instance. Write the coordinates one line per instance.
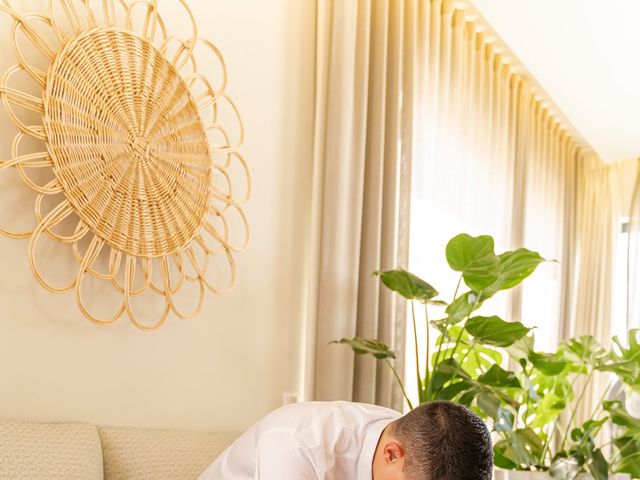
(361, 100)
(426, 126)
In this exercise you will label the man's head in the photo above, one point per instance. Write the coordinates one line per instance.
(436, 441)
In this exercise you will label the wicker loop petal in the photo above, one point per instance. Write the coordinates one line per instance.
(109, 13)
(199, 269)
(29, 30)
(78, 233)
(152, 20)
(89, 258)
(233, 278)
(38, 161)
(13, 98)
(128, 282)
(147, 270)
(57, 215)
(113, 264)
(194, 313)
(78, 15)
(35, 73)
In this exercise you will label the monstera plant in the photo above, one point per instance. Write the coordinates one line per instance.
(532, 406)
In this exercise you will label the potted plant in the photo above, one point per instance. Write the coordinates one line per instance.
(531, 407)
(549, 439)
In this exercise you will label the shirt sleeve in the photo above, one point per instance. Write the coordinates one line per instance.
(282, 455)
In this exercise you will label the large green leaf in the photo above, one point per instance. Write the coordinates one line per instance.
(565, 467)
(474, 258)
(628, 458)
(593, 426)
(496, 376)
(520, 349)
(481, 359)
(513, 268)
(495, 331)
(363, 346)
(549, 364)
(446, 371)
(625, 361)
(462, 307)
(620, 416)
(491, 406)
(585, 350)
(598, 466)
(408, 285)
(555, 393)
(627, 441)
(500, 458)
(548, 409)
(522, 448)
(453, 390)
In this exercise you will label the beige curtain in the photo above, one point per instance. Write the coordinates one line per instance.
(493, 156)
(595, 233)
(359, 212)
(591, 286)
(608, 204)
(418, 102)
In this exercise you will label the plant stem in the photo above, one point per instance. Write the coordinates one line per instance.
(460, 336)
(395, 373)
(619, 453)
(464, 357)
(599, 404)
(475, 354)
(417, 354)
(458, 340)
(455, 347)
(575, 408)
(550, 434)
(427, 381)
(455, 294)
(446, 327)
(546, 444)
(557, 422)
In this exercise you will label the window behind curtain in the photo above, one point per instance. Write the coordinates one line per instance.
(626, 302)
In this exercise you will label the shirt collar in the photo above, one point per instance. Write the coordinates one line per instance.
(369, 445)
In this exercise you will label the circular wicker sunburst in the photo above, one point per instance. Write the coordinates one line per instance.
(127, 127)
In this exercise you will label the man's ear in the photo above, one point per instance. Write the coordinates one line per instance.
(393, 452)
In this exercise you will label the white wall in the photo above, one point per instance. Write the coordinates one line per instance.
(231, 365)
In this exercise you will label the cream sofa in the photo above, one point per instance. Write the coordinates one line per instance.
(70, 451)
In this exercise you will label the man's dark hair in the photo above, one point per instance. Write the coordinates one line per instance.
(444, 441)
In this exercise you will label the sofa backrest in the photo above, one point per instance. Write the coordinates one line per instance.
(49, 451)
(79, 451)
(135, 453)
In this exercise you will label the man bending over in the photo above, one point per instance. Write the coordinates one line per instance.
(354, 441)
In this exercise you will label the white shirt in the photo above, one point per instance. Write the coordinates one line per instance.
(306, 441)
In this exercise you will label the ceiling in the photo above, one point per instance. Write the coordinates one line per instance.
(586, 55)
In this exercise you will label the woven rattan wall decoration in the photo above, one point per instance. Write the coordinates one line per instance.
(141, 160)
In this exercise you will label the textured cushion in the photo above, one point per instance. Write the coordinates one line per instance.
(51, 451)
(132, 453)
